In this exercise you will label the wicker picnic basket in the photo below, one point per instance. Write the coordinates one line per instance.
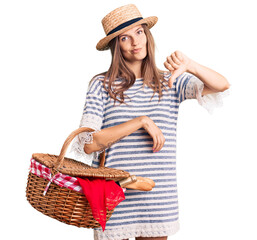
(61, 203)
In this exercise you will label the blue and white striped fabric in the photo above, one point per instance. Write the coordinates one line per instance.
(147, 214)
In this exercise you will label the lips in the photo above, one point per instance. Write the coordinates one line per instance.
(136, 50)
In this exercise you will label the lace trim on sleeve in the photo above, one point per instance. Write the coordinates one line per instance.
(208, 101)
(90, 121)
(78, 147)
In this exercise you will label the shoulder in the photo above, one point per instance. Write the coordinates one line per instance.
(96, 83)
(98, 79)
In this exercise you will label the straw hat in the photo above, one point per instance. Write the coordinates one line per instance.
(120, 20)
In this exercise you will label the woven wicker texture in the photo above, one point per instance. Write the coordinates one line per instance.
(119, 16)
(61, 203)
(75, 168)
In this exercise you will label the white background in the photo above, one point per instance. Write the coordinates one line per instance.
(48, 56)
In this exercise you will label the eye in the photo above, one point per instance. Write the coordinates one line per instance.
(123, 39)
(140, 31)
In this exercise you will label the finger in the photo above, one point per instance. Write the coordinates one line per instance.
(163, 141)
(175, 59)
(154, 143)
(158, 145)
(172, 63)
(168, 66)
(179, 55)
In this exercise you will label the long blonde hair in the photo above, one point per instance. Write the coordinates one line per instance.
(153, 77)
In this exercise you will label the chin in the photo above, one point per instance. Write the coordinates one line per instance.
(141, 57)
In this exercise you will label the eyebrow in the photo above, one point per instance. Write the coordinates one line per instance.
(127, 34)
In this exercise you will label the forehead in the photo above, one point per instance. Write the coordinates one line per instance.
(130, 31)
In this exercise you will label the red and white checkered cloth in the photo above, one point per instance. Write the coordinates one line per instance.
(60, 179)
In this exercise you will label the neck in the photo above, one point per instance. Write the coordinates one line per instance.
(135, 67)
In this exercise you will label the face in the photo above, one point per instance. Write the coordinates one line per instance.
(133, 44)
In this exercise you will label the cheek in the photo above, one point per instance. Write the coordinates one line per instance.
(144, 40)
(124, 48)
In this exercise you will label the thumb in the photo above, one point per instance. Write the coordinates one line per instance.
(170, 82)
(174, 75)
(172, 78)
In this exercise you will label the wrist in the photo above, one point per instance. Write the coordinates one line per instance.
(192, 67)
(143, 120)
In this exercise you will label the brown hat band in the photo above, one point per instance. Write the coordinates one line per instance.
(125, 24)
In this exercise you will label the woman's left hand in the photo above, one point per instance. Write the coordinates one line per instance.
(177, 63)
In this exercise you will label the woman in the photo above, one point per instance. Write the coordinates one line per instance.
(139, 134)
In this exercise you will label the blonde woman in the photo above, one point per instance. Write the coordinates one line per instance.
(133, 108)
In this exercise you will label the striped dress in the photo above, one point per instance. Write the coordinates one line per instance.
(146, 214)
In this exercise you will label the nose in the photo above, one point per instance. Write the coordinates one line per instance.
(134, 41)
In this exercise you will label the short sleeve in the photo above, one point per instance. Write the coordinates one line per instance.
(92, 117)
(181, 86)
(188, 86)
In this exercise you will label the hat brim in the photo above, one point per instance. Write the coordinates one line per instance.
(103, 43)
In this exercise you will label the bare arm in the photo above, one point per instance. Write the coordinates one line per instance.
(108, 136)
(213, 81)
(178, 63)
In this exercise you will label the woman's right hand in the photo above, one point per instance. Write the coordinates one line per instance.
(155, 132)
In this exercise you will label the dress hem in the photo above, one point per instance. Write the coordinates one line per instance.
(155, 230)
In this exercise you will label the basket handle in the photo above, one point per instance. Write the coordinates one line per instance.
(67, 143)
